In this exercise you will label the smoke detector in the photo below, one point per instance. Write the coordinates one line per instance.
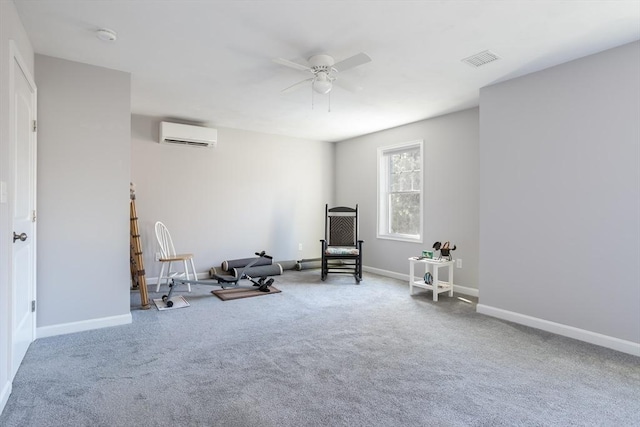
(106, 35)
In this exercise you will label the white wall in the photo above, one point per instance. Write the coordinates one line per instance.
(252, 192)
(560, 198)
(10, 29)
(84, 139)
(450, 194)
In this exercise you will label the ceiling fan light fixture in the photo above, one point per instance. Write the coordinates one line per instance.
(322, 84)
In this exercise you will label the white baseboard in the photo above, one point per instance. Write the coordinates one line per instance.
(465, 290)
(617, 344)
(85, 325)
(457, 288)
(4, 395)
(386, 273)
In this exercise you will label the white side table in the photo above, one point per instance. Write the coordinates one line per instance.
(438, 286)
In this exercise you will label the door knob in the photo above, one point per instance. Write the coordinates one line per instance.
(22, 237)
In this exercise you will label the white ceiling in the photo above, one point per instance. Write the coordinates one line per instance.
(210, 62)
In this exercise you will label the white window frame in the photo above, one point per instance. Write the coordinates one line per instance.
(384, 193)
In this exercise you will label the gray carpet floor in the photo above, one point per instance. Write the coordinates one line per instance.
(322, 354)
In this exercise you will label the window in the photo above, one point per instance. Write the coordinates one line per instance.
(400, 192)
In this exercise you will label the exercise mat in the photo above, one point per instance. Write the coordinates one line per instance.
(260, 271)
(238, 293)
(238, 263)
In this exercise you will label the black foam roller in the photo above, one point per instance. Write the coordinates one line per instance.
(239, 263)
(287, 265)
(305, 265)
(262, 270)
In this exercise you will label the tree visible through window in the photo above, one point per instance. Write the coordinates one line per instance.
(400, 191)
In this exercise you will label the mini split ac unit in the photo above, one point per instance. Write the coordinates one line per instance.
(195, 136)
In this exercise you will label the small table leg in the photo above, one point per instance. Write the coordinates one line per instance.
(411, 263)
(435, 282)
(451, 280)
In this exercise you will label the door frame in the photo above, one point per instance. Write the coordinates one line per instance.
(16, 59)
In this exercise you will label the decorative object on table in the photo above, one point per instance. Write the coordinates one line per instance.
(427, 254)
(445, 249)
(428, 278)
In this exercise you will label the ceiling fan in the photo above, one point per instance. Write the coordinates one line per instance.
(324, 70)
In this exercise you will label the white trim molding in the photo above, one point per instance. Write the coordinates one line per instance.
(4, 395)
(383, 228)
(405, 277)
(464, 290)
(386, 273)
(613, 343)
(85, 325)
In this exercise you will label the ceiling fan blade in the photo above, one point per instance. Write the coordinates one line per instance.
(296, 86)
(352, 62)
(291, 64)
(351, 87)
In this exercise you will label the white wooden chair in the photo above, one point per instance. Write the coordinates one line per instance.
(168, 255)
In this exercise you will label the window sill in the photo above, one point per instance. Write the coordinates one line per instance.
(399, 238)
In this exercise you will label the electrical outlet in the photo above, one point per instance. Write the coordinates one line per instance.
(157, 256)
(299, 246)
(459, 263)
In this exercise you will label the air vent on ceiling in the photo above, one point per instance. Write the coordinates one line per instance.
(480, 59)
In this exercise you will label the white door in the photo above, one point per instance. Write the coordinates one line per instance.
(22, 128)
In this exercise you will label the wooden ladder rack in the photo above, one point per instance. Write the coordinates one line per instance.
(137, 263)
